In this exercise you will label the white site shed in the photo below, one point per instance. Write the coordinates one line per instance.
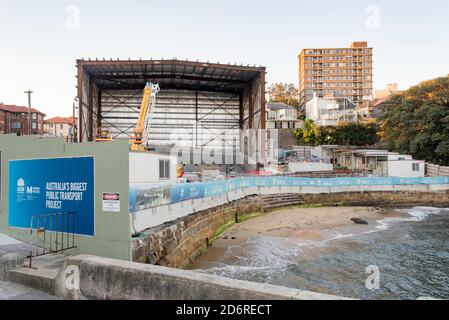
(325, 152)
(152, 168)
(402, 166)
(388, 164)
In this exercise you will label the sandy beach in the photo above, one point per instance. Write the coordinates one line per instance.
(295, 223)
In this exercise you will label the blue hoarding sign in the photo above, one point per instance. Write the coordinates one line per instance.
(155, 195)
(183, 192)
(50, 186)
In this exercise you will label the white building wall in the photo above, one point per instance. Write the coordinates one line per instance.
(58, 129)
(298, 167)
(326, 112)
(317, 152)
(144, 168)
(404, 169)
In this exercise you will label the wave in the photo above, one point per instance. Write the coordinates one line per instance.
(416, 214)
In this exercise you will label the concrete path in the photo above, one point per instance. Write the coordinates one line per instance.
(5, 240)
(14, 291)
(10, 245)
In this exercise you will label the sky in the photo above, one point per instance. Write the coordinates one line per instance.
(41, 40)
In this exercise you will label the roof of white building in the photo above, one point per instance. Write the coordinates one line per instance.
(278, 106)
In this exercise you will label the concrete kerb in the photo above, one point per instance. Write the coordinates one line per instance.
(103, 278)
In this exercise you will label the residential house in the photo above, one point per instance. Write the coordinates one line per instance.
(282, 116)
(376, 162)
(390, 89)
(14, 119)
(375, 108)
(281, 121)
(61, 127)
(331, 110)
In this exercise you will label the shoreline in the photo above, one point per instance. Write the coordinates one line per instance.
(302, 224)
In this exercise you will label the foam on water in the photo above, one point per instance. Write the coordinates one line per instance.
(416, 214)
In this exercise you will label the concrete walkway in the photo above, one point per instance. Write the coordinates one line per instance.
(10, 245)
(5, 240)
(14, 291)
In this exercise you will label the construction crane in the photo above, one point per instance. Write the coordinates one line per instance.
(140, 139)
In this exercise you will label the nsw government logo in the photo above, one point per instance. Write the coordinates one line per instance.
(20, 186)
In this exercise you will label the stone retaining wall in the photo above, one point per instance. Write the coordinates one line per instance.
(178, 243)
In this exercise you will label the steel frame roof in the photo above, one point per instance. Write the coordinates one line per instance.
(173, 74)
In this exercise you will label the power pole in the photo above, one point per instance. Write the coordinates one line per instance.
(29, 92)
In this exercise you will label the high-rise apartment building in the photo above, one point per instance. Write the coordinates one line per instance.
(341, 72)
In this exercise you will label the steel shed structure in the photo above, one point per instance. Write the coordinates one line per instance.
(199, 100)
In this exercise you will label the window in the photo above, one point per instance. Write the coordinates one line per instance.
(34, 115)
(61, 126)
(415, 167)
(15, 125)
(34, 125)
(291, 125)
(164, 169)
(278, 125)
(271, 115)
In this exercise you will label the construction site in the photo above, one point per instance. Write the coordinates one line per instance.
(169, 154)
(144, 129)
(198, 105)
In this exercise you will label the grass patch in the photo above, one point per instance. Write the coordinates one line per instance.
(222, 229)
(309, 206)
(252, 215)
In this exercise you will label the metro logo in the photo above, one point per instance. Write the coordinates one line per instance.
(33, 190)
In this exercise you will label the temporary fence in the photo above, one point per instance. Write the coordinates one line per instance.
(433, 170)
(143, 196)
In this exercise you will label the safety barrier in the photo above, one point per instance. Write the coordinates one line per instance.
(52, 233)
(153, 205)
(147, 196)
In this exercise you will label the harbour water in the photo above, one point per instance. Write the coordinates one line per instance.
(410, 250)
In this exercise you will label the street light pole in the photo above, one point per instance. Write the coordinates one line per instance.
(29, 92)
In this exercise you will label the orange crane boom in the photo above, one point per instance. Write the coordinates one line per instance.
(140, 139)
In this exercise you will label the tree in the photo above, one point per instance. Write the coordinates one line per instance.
(354, 134)
(285, 93)
(416, 122)
(307, 135)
